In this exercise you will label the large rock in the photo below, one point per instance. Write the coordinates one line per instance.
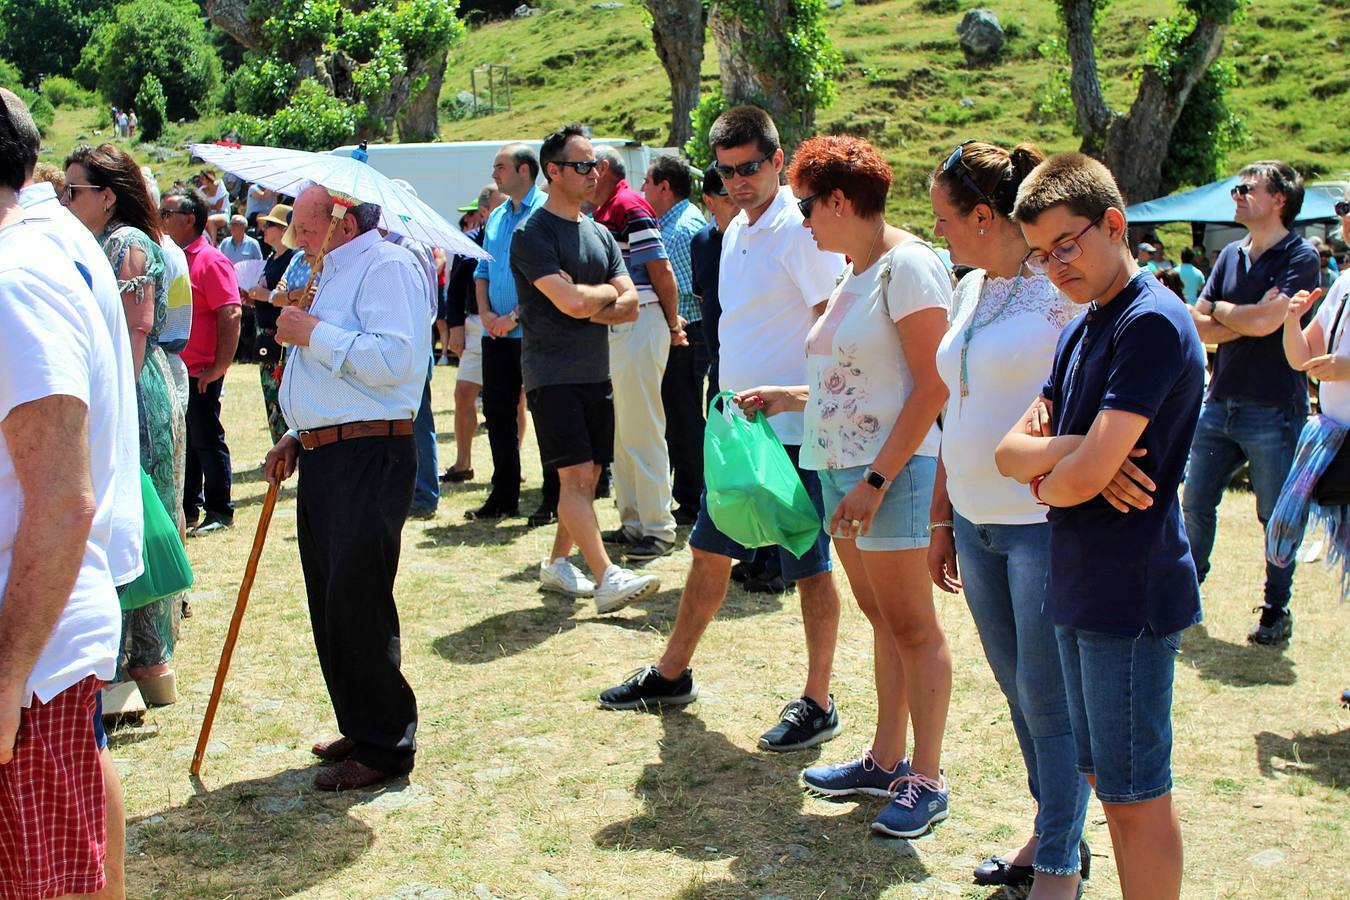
(981, 35)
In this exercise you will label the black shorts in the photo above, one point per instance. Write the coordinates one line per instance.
(573, 423)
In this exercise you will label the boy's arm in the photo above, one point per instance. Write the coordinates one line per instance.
(1085, 472)
(1023, 453)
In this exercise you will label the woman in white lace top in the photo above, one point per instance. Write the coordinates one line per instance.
(988, 533)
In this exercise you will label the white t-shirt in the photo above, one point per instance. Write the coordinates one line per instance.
(1335, 395)
(1010, 355)
(772, 275)
(221, 196)
(46, 214)
(857, 374)
(54, 341)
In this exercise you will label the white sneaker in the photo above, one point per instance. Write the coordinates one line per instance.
(620, 587)
(561, 577)
(443, 361)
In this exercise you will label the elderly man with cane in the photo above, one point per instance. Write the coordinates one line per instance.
(353, 383)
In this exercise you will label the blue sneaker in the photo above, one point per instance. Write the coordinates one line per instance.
(920, 802)
(856, 776)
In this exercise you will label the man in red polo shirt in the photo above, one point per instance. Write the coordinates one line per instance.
(210, 348)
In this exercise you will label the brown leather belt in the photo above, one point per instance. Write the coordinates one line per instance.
(320, 437)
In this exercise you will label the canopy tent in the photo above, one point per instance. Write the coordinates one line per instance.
(1212, 203)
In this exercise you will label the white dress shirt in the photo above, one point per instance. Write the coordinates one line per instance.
(367, 357)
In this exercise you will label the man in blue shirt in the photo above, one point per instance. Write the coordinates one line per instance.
(1105, 448)
(514, 169)
(1192, 279)
(1256, 403)
(667, 188)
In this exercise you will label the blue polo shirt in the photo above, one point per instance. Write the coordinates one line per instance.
(1125, 573)
(1252, 368)
(501, 224)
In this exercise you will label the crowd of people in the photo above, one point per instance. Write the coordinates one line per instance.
(1043, 434)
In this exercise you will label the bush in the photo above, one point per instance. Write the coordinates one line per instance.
(150, 107)
(65, 92)
(260, 87)
(41, 110)
(165, 38)
(313, 119)
(701, 119)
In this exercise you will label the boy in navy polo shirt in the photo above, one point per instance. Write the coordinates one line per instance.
(1105, 447)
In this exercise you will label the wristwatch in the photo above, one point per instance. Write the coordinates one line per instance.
(875, 479)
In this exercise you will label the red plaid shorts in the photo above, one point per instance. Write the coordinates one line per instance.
(53, 828)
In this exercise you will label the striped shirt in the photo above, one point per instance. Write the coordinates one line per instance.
(632, 221)
(679, 224)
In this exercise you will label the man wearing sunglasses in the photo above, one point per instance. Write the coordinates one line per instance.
(1256, 403)
(772, 285)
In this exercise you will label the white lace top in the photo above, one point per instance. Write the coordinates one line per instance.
(1011, 346)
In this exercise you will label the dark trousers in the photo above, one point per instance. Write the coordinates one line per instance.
(502, 382)
(352, 500)
(206, 478)
(682, 397)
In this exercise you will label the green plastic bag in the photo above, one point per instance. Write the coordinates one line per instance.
(755, 496)
(167, 570)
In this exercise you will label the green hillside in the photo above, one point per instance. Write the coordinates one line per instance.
(907, 86)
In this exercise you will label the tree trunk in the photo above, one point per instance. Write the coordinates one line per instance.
(419, 120)
(742, 82)
(231, 17)
(678, 27)
(1134, 146)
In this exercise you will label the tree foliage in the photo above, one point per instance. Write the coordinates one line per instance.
(319, 72)
(42, 111)
(151, 105)
(45, 37)
(164, 38)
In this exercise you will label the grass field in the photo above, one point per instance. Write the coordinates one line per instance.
(525, 789)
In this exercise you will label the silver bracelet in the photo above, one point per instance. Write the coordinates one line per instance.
(944, 523)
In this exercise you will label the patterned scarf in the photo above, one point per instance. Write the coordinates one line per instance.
(1317, 446)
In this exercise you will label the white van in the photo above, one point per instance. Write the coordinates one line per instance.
(450, 175)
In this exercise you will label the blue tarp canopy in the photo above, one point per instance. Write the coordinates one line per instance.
(1212, 203)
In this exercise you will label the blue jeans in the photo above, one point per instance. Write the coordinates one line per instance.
(1003, 569)
(1229, 432)
(427, 489)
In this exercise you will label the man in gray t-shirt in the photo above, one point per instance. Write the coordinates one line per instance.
(571, 285)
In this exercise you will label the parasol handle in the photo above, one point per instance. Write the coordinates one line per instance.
(339, 210)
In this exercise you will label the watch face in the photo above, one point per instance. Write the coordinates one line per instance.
(876, 480)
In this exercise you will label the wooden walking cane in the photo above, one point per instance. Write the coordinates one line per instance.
(245, 587)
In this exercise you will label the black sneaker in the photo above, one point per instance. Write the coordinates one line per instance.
(541, 517)
(649, 547)
(685, 515)
(491, 510)
(621, 537)
(802, 724)
(1275, 626)
(211, 524)
(744, 571)
(647, 689)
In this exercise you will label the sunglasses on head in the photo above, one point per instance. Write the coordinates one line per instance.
(583, 167)
(1342, 207)
(954, 165)
(745, 169)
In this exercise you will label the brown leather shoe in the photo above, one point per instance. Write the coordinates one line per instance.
(349, 775)
(335, 750)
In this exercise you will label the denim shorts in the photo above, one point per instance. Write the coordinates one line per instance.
(901, 521)
(1120, 703)
(705, 536)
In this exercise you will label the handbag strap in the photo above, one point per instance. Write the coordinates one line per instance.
(1335, 323)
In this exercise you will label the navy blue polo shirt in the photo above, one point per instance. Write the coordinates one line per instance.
(705, 256)
(1113, 572)
(1252, 368)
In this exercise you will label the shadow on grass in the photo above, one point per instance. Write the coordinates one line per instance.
(266, 837)
(1236, 665)
(707, 799)
(459, 531)
(1325, 758)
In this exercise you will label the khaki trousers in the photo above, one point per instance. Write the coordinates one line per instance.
(641, 468)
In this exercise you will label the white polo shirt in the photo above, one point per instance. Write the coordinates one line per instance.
(772, 276)
(54, 341)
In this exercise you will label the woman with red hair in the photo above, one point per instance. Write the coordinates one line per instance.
(870, 416)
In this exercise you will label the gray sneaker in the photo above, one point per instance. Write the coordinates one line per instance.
(620, 587)
(854, 776)
(1276, 626)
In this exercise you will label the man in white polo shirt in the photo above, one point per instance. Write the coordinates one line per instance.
(774, 282)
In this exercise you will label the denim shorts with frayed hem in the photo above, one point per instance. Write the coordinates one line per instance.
(1120, 703)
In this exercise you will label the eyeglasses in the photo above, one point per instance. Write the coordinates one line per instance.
(1241, 190)
(584, 167)
(69, 191)
(954, 164)
(165, 213)
(806, 203)
(1065, 252)
(745, 169)
(1342, 207)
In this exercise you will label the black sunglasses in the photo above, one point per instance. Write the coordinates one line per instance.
(1342, 207)
(584, 167)
(806, 203)
(954, 164)
(165, 213)
(1240, 190)
(745, 169)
